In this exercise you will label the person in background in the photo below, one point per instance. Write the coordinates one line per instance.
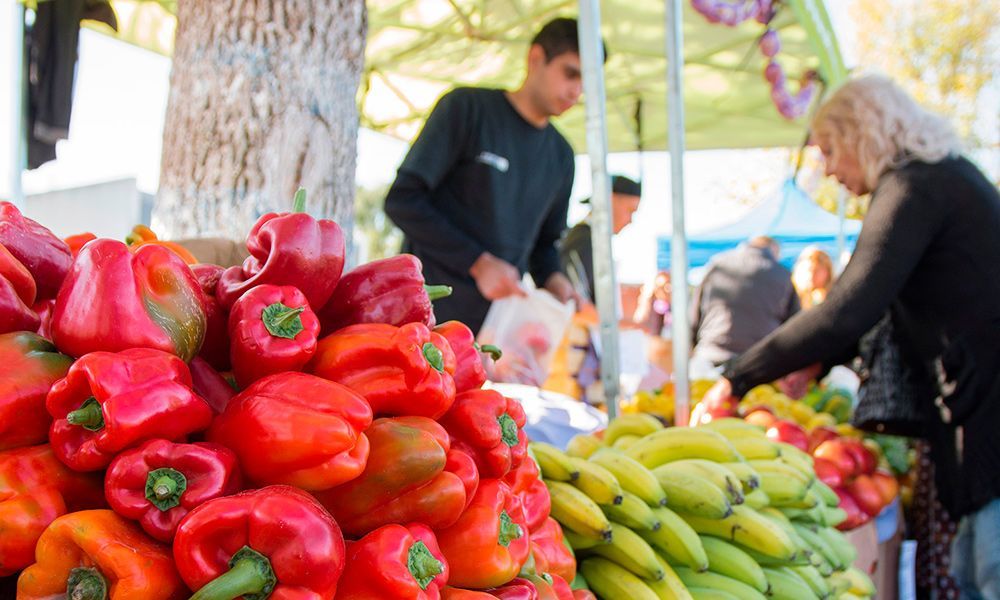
(652, 311)
(576, 251)
(929, 253)
(483, 193)
(745, 295)
(812, 276)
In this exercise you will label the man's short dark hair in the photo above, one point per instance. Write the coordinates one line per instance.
(559, 36)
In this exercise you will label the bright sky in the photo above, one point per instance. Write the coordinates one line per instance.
(120, 100)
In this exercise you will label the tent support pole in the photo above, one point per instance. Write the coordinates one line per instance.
(592, 63)
(18, 158)
(680, 331)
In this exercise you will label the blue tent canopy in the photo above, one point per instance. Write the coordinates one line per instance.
(789, 216)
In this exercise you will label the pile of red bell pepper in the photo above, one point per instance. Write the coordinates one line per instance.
(278, 429)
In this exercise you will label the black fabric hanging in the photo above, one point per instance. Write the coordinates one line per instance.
(51, 52)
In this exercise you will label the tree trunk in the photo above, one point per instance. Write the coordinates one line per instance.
(262, 101)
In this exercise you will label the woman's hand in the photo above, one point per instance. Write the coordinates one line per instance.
(719, 402)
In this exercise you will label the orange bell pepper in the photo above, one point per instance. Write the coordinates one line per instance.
(98, 555)
(144, 236)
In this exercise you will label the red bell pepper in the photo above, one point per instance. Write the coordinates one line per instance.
(390, 291)
(289, 249)
(215, 348)
(17, 294)
(210, 385)
(399, 370)
(453, 593)
(112, 401)
(35, 489)
(271, 329)
(98, 555)
(489, 543)
(394, 562)
(44, 308)
(412, 475)
(518, 588)
(276, 540)
(160, 482)
(296, 429)
(29, 365)
(560, 587)
(47, 257)
(489, 427)
(583, 595)
(77, 241)
(547, 542)
(469, 371)
(526, 483)
(114, 300)
(143, 236)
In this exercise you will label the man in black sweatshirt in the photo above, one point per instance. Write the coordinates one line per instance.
(483, 193)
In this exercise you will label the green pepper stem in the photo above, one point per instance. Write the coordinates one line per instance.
(494, 351)
(250, 575)
(89, 415)
(508, 429)
(436, 292)
(422, 564)
(283, 321)
(86, 583)
(509, 530)
(299, 202)
(434, 356)
(164, 487)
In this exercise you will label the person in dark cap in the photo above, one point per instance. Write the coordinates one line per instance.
(576, 250)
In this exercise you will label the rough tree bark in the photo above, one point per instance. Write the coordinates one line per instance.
(262, 100)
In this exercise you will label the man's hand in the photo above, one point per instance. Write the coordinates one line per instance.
(495, 277)
(717, 403)
(559, 286)
(796, 384)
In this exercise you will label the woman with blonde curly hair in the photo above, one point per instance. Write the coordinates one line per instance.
(929, 253)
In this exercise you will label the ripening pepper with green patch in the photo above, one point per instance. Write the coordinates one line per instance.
(489, 427)
(114, 300)
(29, 365)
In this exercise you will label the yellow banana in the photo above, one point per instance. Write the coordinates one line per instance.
(804, 553)
(582, 445)
(608, 580)
(676, 540)
(726, 559)
(625, 442)
(734, 428)
(752, 448)
(579, 541)
(800, 558)
(748, 528)
(839, 542)
(777, 467)
(676, 443)
(811, 506)
(782, 490)
(553, 462)
(576, 511)
(861, 584)
(630, 551)
(757, 499)
(715, 581)
(693, 495)
(632, 476)
(786, 585)
(698, 593)
(813, 579)
(840, 584)
(749, 476)
(819, 544)
(715, 473)
(633, 513)
(638, 424)
(670, 587)
(596, 481)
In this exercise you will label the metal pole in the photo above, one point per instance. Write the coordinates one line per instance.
(592, 64)
(18, 158)
(680, 331)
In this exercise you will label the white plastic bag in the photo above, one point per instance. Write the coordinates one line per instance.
(527, 330)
